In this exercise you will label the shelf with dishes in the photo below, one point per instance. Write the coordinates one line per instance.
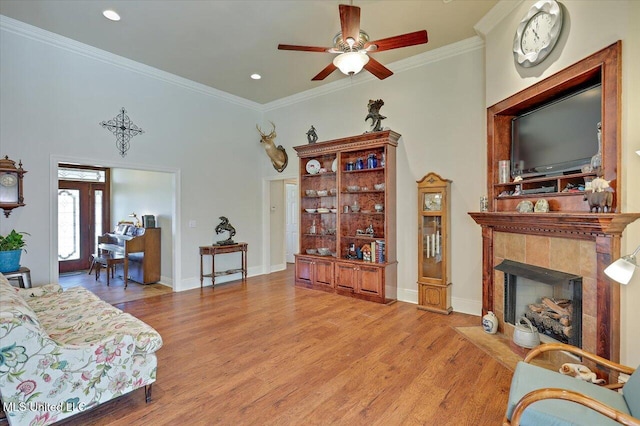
(323, 165)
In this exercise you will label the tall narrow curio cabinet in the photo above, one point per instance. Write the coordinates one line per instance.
(348, 216)
(434, 270)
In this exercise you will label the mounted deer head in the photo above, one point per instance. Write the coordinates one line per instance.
(277, 154)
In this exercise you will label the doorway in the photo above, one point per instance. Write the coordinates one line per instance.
(83, 214)
(291, 220)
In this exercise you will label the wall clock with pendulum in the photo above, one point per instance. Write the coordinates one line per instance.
(11, 195)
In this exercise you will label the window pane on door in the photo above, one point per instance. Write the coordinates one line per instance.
(68, 224)
(97, 217)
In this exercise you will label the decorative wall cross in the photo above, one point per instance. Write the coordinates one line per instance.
(124, 129)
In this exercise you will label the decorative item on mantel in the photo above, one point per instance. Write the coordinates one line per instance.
(277, 154)
(524, 206)
(225, 226)
(374, 115)
(124, 129)
(599, 196)
(11, 185)
(312, 136)
(542, 206)
(596, 160)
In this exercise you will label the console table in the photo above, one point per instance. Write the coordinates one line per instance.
(223, 249)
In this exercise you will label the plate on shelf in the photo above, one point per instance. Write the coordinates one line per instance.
(310, 210)
(313, 167)
(334, 165)
(323, 210)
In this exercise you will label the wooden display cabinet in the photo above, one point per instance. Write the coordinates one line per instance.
(357, 210)
(434, 270)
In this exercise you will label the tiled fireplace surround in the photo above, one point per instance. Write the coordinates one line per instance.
(568, 255)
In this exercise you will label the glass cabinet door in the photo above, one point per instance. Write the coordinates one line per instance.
(431, 264)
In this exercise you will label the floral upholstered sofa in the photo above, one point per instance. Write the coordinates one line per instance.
(64, 352)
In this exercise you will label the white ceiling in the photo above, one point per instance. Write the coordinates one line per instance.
(221, 43)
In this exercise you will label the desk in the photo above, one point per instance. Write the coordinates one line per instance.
(213, 250)
(22, 275)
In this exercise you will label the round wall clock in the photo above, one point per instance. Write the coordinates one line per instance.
(537, 33)
(8, 180)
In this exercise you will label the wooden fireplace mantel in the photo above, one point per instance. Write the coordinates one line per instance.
(578, 225)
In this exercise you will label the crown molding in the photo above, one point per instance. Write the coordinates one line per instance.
(497, 13)
(448, 51)
(61, 42)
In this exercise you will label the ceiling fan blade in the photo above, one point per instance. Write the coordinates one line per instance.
(377, 69)
(304, 48)
(404, 40)
(350, 22)
(325, 72)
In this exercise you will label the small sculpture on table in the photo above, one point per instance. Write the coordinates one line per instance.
(225, 226)
(312, 136)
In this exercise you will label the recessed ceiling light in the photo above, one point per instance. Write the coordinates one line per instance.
(256, 76)
(111, 14)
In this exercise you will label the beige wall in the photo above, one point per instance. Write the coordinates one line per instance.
(589, 26)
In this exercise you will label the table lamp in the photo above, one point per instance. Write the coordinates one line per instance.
(622, 269)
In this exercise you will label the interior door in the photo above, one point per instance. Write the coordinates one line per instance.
(292, 240)
(83, 214)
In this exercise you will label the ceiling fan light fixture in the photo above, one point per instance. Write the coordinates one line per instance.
(351, 63)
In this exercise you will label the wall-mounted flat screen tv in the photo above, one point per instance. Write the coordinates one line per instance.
(559, 137)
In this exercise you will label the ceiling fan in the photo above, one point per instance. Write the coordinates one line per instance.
(353, 46)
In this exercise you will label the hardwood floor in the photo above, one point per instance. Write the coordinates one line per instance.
(268, 353)
(115, 292)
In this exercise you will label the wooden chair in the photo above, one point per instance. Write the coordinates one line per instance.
(539, 396)
(106, 259)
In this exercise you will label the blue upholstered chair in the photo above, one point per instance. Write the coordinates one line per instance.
(543, 397)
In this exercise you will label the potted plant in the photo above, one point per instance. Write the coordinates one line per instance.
(11, 246)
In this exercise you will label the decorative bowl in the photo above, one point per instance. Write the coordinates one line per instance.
(323, 210)
(324, 251)
(333, 191)
(379, 186)
(355, 208)
(310, 210)
(311, 192)
(378, 207)
(323, 193)
(353, 188)
(334, 210)
(312, 251)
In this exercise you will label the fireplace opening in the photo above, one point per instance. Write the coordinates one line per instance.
(551, 300)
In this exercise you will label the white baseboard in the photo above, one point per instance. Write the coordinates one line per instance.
(276, 268)
(168, 281)
(194, 282)
(408, 295)
(464, 306)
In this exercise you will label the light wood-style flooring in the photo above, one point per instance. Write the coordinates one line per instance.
(267, 353)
